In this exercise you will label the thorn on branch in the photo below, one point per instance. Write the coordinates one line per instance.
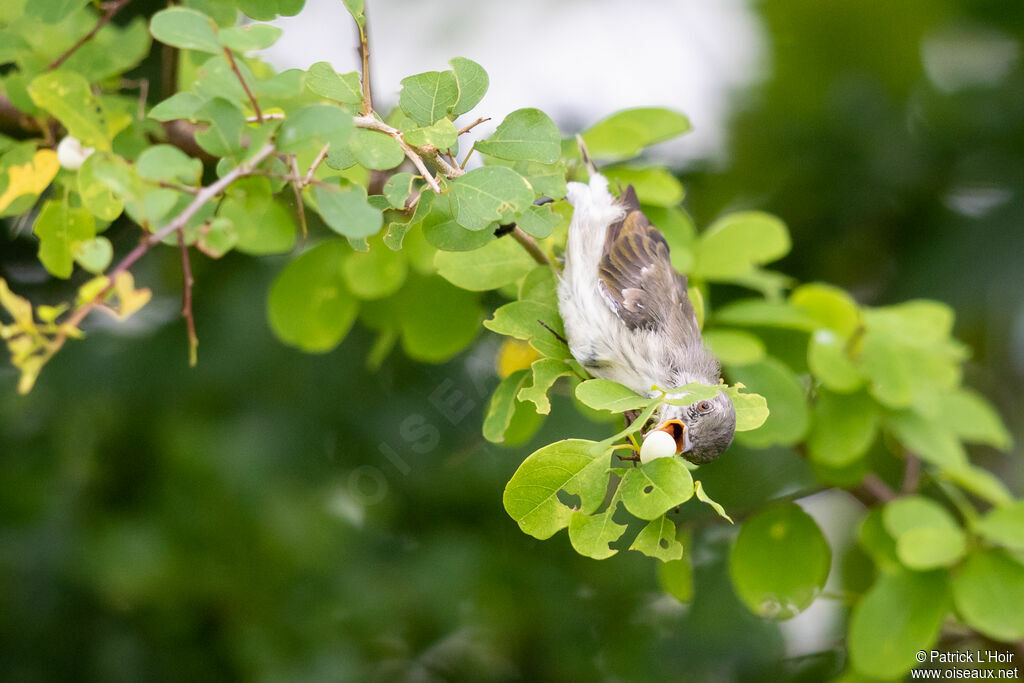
(471, 126)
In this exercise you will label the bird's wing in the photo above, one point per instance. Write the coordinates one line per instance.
(637, 277)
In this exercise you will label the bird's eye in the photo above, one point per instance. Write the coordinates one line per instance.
(704, 406)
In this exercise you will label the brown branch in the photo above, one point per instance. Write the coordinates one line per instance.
(471, 126)
(186, 299)
(178, 223)
(911, 474)
(297, 186)
(364, 53)
(874, 485)
(316, 164)
(371, 123)
(109, 10)
(245, 86)
(530, 245)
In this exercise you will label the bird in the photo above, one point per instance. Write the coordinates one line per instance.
(628, 317)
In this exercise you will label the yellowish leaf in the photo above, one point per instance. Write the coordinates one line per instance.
(31, 178)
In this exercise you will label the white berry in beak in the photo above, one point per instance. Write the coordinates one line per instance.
(71, 154)
(657, 444)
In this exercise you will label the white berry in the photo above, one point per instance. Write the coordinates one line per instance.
(71, 154)
(657, 444)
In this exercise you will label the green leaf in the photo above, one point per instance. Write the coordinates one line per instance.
(547, 180)
(443, 232)
(974, 420)
(918, 323)
(309, 306)
(224, 136)
(185, 28)
(441, 134)
(93, 255)
(312, 127)
(59, 229)
(434, 333)
(926, 535)
(780, 562)
(472, 82)
(591, 534)
(249, 37)
(545, 372)
(931, 440)
(988, 591)
(736, 244)
(877, 542)
(524, 135)
(981, 483)
(751, 409)
(538, 221)
(733, 347)
(69, 97)
(398, 188)
(522, 320)
(376, 150)
(1004, 525)
(653, 185)
(676, 578)
(658, 539)
(170, 164)
(180, 105)
(346, 211)
(217, 238)
(654, 488)
(604, 394)
(260, 224)
(376, 273)
(540, 285)
(53, 11)
(265, 10)
(356, 9)
(899, 617)
(575, 466)
(488, 194)
(502, 406)
(829, 305)
(698, 490)
(625, 133)
(828, 359)
(96, 196)
(786, 397)
(323, 80)
(496, 264)
(761, 313)
(844, 426)
(428, 96)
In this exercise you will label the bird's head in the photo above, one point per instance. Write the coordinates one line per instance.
(702, 430)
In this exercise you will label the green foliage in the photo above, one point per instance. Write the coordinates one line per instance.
(289, 164)
(780, 562)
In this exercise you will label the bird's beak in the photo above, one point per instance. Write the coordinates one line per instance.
(677, 430)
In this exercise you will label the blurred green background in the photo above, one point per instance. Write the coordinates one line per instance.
(277, 516)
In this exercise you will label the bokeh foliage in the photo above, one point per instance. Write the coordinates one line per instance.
(210, 525)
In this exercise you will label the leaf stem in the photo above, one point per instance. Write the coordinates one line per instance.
(245, 86)
(109, 10)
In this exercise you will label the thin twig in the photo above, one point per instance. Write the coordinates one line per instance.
(177, 223)
(911, 474)
(267, 116)
(316, 164)
(465, 159)
(245, 86)
(109, 10)
(874, 485)
(364, 53)
(297, 187)
(186, 299)
(448, 169)
(178, 188)
(371, 123)
(471, 126)
(530, 245)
